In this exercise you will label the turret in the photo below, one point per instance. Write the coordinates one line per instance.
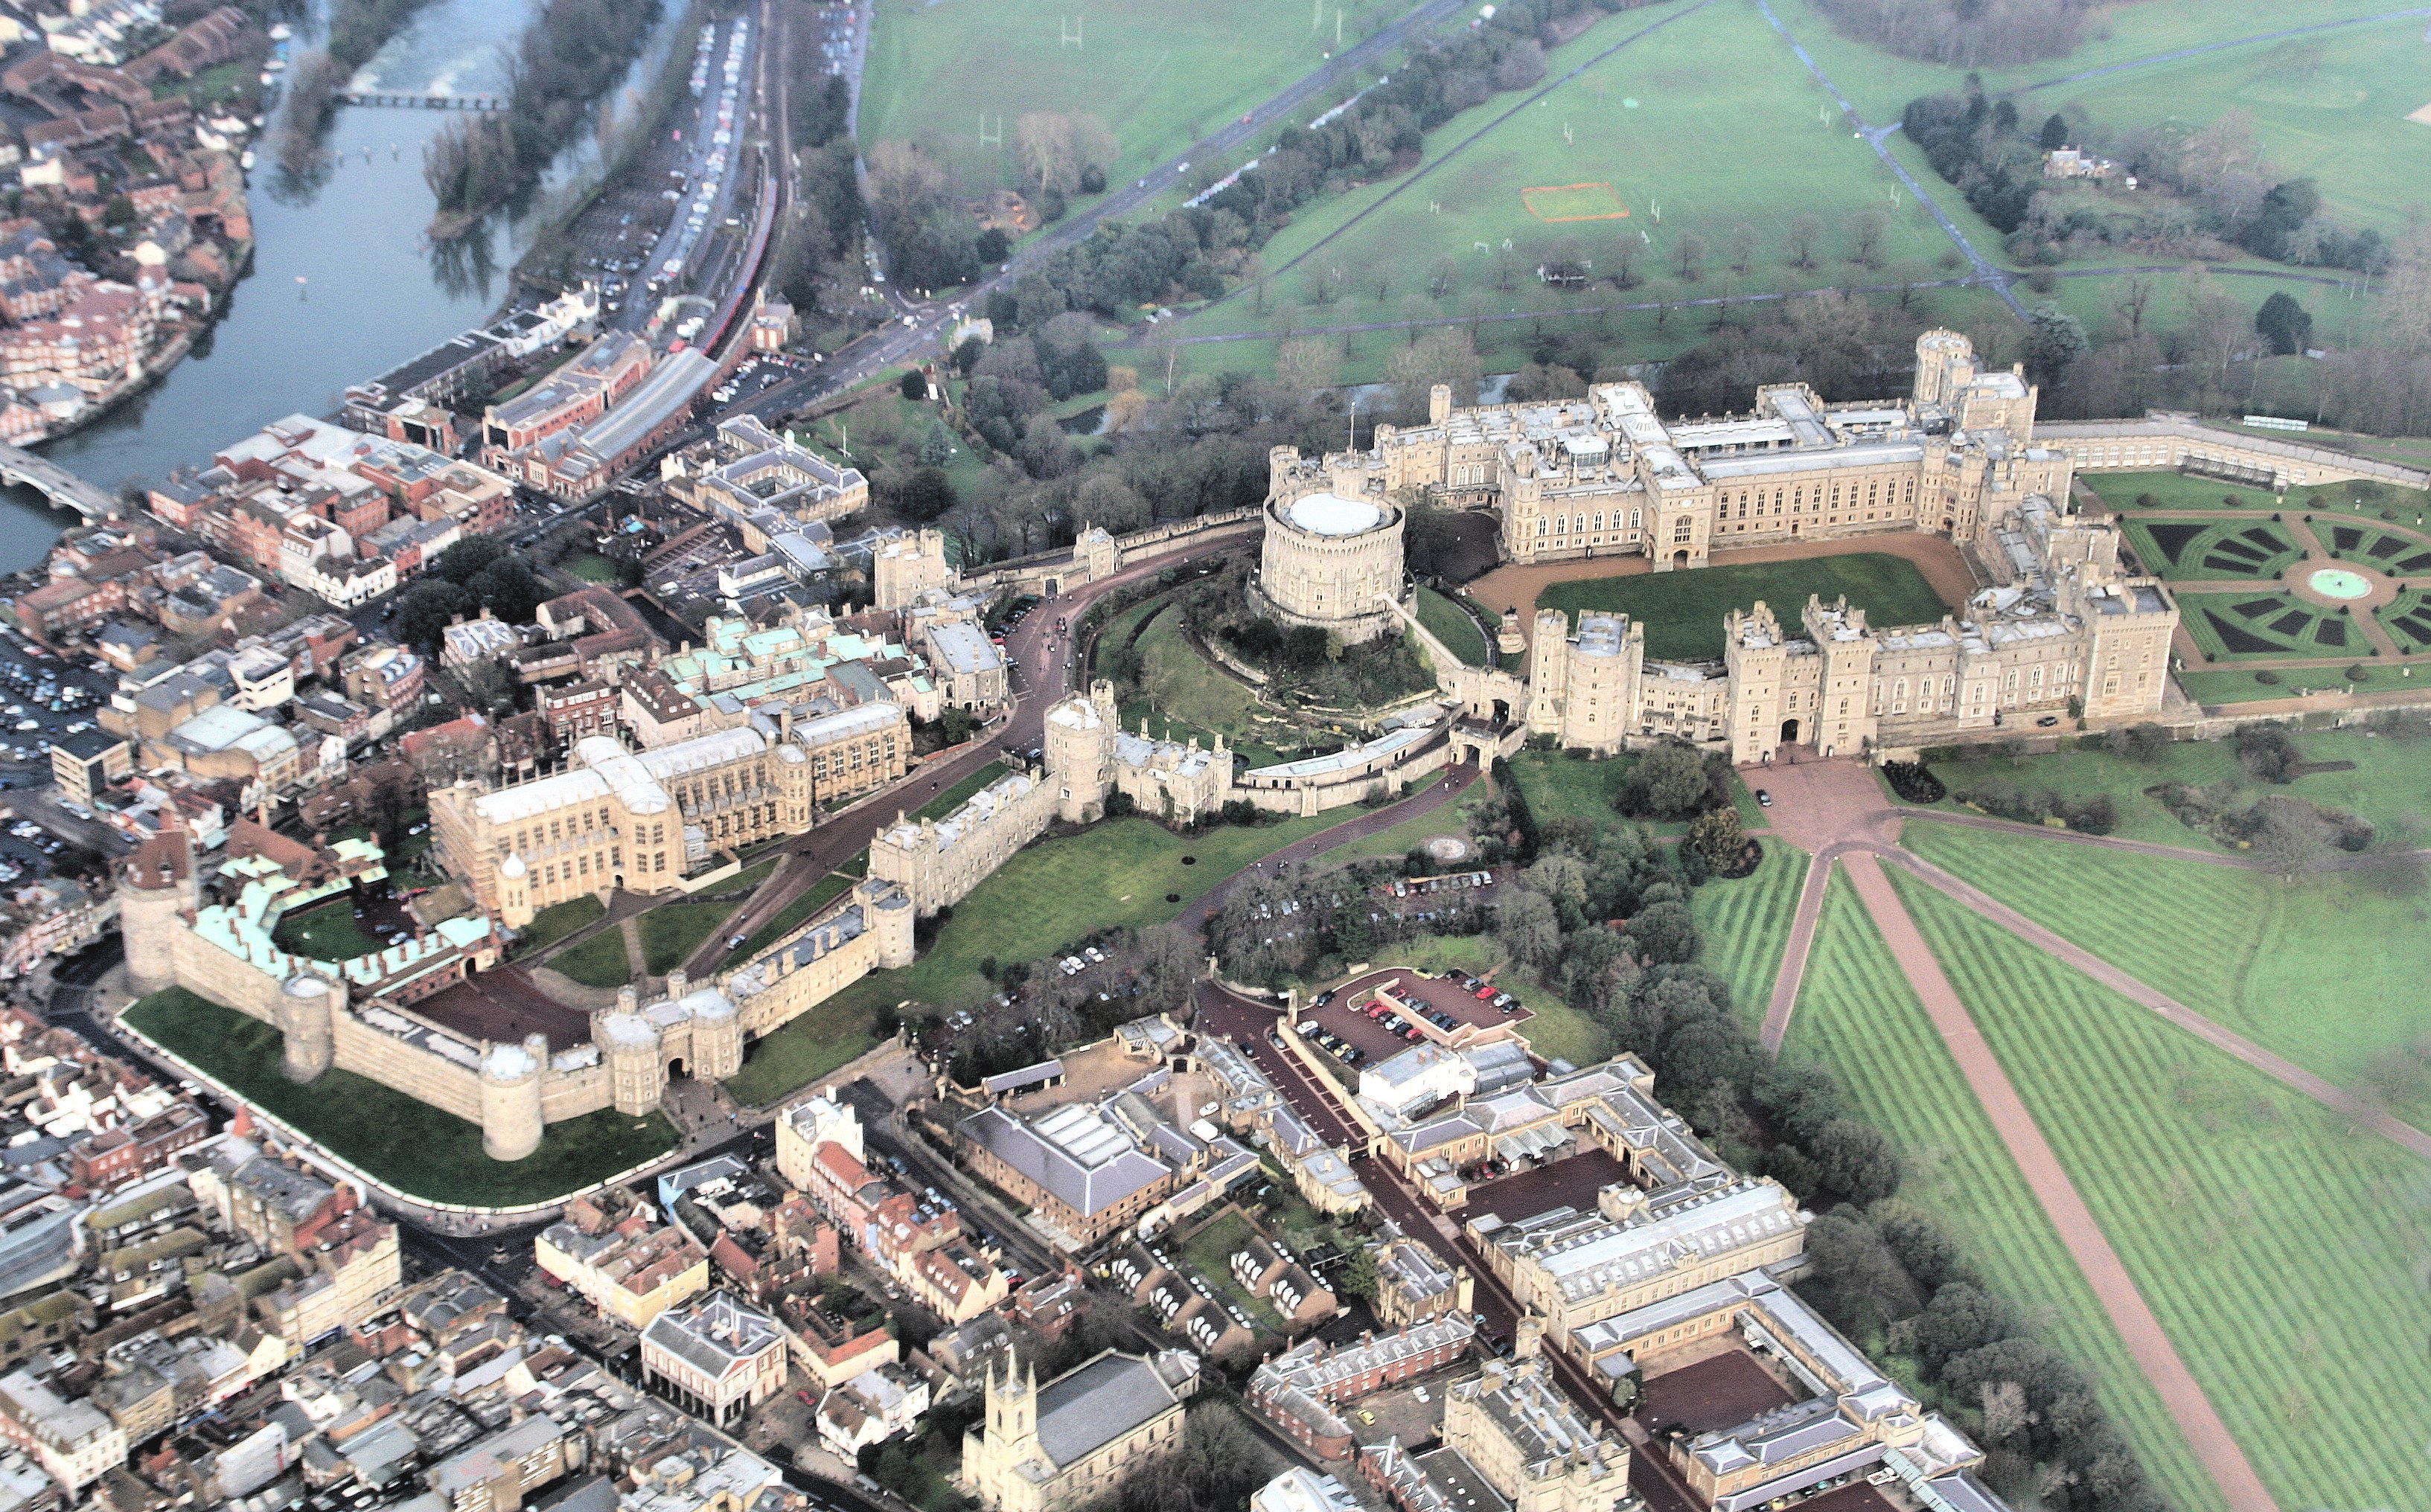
(307, 1008)
(888, 911)
(156, 887)
(510, 1115)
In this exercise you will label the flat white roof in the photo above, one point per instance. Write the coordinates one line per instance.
(1330, 514)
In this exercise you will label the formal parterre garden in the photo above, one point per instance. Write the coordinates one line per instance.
(408, 1144)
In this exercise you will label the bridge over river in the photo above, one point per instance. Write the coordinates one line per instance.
(56, 482)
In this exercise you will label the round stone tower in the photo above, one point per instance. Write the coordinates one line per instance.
(307, 1011)
(510, 1121)
(629, 1047)
(716, 1039)
(888, 910)
(156, 887)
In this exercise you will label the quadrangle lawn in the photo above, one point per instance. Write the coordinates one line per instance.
(2280, 1247)
(407, 1143)
(2327, 973)
(1683, 612)
(1857, 1015)
(1113, 875)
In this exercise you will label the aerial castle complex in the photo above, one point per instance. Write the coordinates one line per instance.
(2065, 624)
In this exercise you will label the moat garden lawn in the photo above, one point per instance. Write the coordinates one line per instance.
(1857, 1014)
(1682, 612)
(2327, 971)
(1122, 873)
(408, 1144)
(2280, 1246)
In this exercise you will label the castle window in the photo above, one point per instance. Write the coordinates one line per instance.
(1543, 525)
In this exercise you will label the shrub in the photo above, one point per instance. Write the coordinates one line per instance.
(1915, 781)
(2265, 677)
(2358, 673)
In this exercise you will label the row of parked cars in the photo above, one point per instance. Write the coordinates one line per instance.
(1484, 990)
(1444, 884)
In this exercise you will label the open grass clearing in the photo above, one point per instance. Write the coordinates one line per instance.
(1181, 694)
(2223, 688)
(327, 933)
(2276, 1243)
(1120, 872)
(1160, 74)
(1857, 1015)
(2389, 779)
(673, 931)
(1745, 922)
(955, 796)
(588, 566)
(1703, 127)
(2127, 492)
(408, 1144)
(1683, 612)
(2326, 972)
(599, 961)
(558, 921)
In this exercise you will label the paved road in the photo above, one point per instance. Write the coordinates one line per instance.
(2214, 47)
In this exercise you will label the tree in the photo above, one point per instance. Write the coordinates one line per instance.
(2134, 296)
(1742, 244)
(1622, 258)
(1357, 1276)
(1689, 256)
(926, 494)
(1805, 232)
(1529, 929)
(2053, 343)
(1866, 231)
(2284, 323)
(1855, 1161)
(1667, 783)
(914, 384)
(1307, 363)
(460, 560)
(2054, 134)
(427, 609)
(2291, 837)
(1666, 932)
(1717, 837)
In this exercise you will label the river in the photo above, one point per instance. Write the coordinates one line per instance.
(342, 286)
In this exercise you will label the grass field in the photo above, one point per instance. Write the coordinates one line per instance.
(554, 924)
(408, 1144)
(1682, 612)
(1857, 1014)
(1701, 127)
(674, 931)
(1124, 871)
(588, 566)
(824, 891)
(1210, 1250)
(2125, 492)
(2327, 973)
(1183, 692)
(1160, 74)
(599, 961)
(1746, 926)
(2214, 687)
(2389, 783)
(955, 796)
(327, 933)
(1449, 820)
(1450, 624)
(2281, 1247)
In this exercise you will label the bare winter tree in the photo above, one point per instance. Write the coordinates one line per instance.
(1805, 232)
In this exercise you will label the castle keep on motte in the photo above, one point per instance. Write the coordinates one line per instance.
(2063, 620)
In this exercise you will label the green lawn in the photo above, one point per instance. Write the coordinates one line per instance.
(554, 924)
(1746, 926)
(327, 933)
(955, 796)
(1857, 1014)
(1211, 1250)
(2280, 1247)
(588, 566)
(1182, 693)
(599, 961)
(2286, 967)
(1160, 74)
(1705, 126)
(1450, 624)
(672, 932)
(2389, 782)
(2266, 624)
(2125, 491)
(1124, 871)
(822, 892)
(1682, 612)
(2214, 687)
(408, 1144)
(1449, 820)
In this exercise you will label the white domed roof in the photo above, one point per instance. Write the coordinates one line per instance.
(1330, 514)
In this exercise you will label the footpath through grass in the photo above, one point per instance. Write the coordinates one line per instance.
(1857, 1015)
(1746, 926)
(2327, 971)
(2280, 1247)
(1122, 873)
(1683, 612)
(408, 1144)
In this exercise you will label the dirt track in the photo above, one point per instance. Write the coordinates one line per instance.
(1517, 588)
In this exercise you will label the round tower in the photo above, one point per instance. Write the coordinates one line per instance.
(156, 887)
(307, 1011)
(888, 910)
(510, 1121)
(629, 1046)
(716, 1038)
